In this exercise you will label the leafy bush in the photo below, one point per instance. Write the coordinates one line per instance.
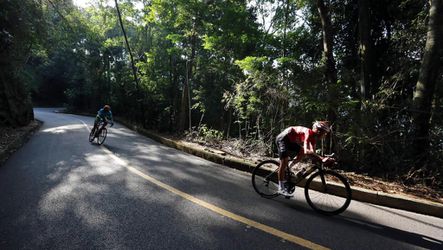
(209, 134)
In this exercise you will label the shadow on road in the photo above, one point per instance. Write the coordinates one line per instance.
(393, 233)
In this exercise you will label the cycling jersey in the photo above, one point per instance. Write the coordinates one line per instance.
(299, 134)
(294, 139)
(103, 114)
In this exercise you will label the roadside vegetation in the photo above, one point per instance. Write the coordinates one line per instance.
(235, 73)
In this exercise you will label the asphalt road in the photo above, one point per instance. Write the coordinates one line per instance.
(61, 192)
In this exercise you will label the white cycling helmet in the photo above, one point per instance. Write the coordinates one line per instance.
(322, 126)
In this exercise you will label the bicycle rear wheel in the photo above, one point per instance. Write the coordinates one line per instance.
(102, 136)
(265, 178)
(92, 135)
(328, 192)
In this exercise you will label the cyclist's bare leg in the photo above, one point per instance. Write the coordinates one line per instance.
(101, 128)
(95, 127)
(104, 125)
(96, 122)
(281, 170)
(282, 188)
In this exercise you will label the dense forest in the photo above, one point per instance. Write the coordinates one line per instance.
(241, 69)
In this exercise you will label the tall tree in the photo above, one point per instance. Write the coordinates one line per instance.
(364, 47)
(21, 28)
(134, 70)
(185, 112)
(425, 87)
(328, 58)
(138, 96)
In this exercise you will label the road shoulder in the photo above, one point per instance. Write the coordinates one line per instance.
(11, 139)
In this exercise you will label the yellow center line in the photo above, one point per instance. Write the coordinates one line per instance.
(221, 211)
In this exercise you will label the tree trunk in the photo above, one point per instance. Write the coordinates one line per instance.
(285, 27)
(138, 96)
(185, 114)
(364, 48)
(228, 126)
(328, 57)
(364, 52)
(425, 87)
(134, 70)
(175, 96)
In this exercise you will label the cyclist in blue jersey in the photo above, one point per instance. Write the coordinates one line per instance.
(105, 115)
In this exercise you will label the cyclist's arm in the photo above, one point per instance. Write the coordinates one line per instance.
(110, 118)
(309, 149)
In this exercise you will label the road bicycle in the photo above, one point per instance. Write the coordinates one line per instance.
(326, 191)
(100, 134)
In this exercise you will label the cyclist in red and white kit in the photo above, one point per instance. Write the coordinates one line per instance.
(301, 141)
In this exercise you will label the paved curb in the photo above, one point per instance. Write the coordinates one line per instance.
(358, 194)
(398, 201)
(19, 141)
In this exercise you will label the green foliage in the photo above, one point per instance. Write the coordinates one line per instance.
(21, 27)
(252, 64)
(209, 134)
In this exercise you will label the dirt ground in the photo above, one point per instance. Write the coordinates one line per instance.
(417, 191)
(9, 136)
(12, 138)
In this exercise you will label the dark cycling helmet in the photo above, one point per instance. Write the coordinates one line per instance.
(322, 126)
(107, 107)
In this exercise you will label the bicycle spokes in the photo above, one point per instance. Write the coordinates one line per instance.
(328, 192)
(265, 179)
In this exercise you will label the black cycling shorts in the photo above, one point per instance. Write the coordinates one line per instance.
(286, 148)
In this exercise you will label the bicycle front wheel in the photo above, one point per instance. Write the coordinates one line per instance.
(265, 178)
(328, 192)
(102, 136)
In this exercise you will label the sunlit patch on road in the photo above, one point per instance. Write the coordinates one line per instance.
(63, 129)
(122, 132)
(101, 164)
(76, 189)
